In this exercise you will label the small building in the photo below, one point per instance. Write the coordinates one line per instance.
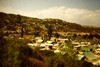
(97, 51)
(62, 40)
(49, 45)
(75, 43)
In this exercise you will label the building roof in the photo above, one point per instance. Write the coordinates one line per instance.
(80, 56)
(39, 40)
(49, 44)
(89, 55)
(85, 49)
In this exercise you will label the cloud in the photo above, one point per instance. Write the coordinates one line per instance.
(12, 10)
(75, 15)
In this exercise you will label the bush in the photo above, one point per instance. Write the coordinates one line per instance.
(32, 62)
(47, 53)
(10, 54)
(55, 61)
(30, 57)
(15, 53)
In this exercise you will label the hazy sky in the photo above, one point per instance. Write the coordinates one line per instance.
(85, 12)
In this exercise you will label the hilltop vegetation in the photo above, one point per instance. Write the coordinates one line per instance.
(10, 22)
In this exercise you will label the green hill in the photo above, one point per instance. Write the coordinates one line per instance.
(11, 22)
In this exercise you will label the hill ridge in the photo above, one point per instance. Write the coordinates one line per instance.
(10, 22)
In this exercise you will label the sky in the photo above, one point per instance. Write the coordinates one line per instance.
(84, 12)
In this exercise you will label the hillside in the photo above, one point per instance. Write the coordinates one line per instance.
(13, 22)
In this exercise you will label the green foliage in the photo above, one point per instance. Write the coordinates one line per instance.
(10, 53)
(67, 50)
(47, 53)
(15, 53)
(30, 57)
(55, 61)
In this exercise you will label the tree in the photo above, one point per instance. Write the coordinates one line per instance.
(57, 35)
(49, 32)
(22, 31)
(74, 35)
(21, 24)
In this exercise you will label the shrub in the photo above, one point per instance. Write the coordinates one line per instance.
(10, 53)
(30, 57)
(55, 61)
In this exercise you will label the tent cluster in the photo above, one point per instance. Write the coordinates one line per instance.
(84, 50)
